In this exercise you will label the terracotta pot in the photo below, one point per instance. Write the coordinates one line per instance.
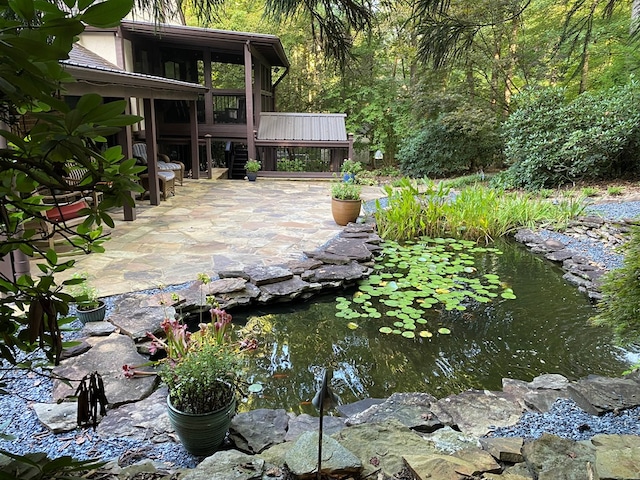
(345, 211)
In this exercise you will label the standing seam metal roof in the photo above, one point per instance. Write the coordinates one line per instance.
(313, 127)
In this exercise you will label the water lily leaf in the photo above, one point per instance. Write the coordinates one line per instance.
(408, 334)
(385, 330)
(398, 324)
(422, 321)
(426, 334)
(352, 325)
(444, 331)
(255, 388)
(508, 295)
(396, 332)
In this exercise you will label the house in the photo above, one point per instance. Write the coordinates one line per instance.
(207, 96)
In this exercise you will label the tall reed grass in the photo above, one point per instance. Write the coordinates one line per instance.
(476, 213)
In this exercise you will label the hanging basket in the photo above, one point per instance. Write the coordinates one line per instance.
(201, 434)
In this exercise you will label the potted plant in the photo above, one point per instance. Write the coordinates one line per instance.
(349, 169)
(345, 201)
(201, 372)
(89, 308)
(252, 167)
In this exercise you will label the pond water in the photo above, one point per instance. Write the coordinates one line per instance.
(543, 330)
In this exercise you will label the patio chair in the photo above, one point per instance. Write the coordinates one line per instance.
(166, 178)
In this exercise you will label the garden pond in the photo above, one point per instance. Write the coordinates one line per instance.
(483, 315)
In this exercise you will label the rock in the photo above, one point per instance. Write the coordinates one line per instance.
(135, 318)
(447, 440)
(329, 258)
(559, 255)
(504, 449)
(352, 248)
(107, 356)
(411, 409)
(337, 461)
(287, 289)
(254, 431)
(76, 350)
(382, 445)
(227, 465)
(617, 456)
(552, 458)
(358, 228)
(263, 275)
(351, 409)
(57, 417)
(238, 299)
(143, 420)
(553, 245)
(527, 236)
(552, 381)
(226, 285)
(329, 273)
(605, 394)
(477, 412)
(300, 266)
(98, 329)
(306, 423)
(464, 464)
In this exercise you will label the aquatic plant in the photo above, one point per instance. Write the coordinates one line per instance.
(413, 278)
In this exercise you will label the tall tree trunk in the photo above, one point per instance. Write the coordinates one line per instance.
(511, 65)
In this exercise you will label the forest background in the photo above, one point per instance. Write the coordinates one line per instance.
(427, 66)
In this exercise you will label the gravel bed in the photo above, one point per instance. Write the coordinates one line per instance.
(565, 419)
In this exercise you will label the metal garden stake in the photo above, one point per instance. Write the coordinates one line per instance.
(325, 398)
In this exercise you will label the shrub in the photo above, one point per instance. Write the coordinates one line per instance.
(455, 142)
(550, 142)
(620, 305)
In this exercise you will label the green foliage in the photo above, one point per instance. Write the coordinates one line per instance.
(620, 305)
(346, 190)
(550, 142)
(459, 141)
(413, 278)
(590, 192)
(351, 167)
(475, 213)
(253, 165)
(86, 296)
(615, 190)
(37, 466)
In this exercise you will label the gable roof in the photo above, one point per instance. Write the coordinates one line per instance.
(95, 74)
(308, 128)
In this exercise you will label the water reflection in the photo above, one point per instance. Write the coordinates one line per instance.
(543, 331)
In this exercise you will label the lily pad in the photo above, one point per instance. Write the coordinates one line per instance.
(444, 331)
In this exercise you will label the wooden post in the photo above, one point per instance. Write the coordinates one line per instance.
(152, 152)
(248, 88)
(195, 154)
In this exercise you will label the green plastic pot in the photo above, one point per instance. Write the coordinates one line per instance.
(92, 315)
(201, 434)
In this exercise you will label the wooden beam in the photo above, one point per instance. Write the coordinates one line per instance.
(152, 150)
(248, 87)
(124, 140)
(195, 151)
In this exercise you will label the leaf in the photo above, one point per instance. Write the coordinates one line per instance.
(426, 334)
(385, 330)
(408, 334)
(255, 388)
(444, 331)
(107, 14)
(352, 325)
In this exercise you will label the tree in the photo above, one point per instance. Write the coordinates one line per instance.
(40, 134)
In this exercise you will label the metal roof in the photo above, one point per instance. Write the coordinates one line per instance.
(95, 74)
(302, 127)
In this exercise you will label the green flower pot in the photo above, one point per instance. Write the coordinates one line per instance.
(93, 315)
(201, 434)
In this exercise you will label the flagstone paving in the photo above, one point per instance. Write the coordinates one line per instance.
(213, 225)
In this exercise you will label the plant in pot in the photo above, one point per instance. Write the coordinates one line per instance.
(349, 169)
(345, 201)
(252, 167)
(89, 308)
(201, 372)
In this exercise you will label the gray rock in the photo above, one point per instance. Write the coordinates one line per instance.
(352, 248)
(98, 329)
(306, 423)
(76, 350)
(553, 245)
(143, 420)
(464, 464)
(552, 381)
(238, 299)
(329, 273)
(447, 440)
(617, 456)
(329, 258)
(559, 255)
(382, 445)
(350, 409)
(107, 356)
(57, 417)
(135, 317)
(302, 457)
(300, 266)
(411, 409)
(478, 412)
(287, 289)
(227, 465)
(605, 394)
(358, 228)
(527, 236)
(254, 431)
(262, 275)
(553, 458)
(504, 449)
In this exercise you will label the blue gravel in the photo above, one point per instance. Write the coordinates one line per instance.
(565, 419)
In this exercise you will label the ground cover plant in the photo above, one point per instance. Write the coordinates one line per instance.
(416, 278)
